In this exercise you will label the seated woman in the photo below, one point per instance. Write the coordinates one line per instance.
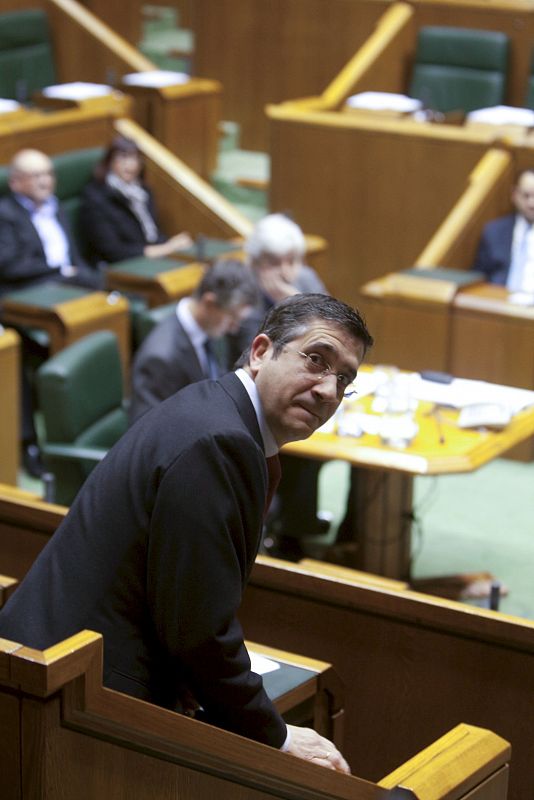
(118, 214)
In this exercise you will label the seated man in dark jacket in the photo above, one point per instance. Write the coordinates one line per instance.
(36, 242)
(506, 250)
(36, 246)
(180, 350)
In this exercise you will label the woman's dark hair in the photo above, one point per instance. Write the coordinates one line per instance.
(120, 145)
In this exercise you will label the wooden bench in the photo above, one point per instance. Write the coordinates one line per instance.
(412, 665)
(61, 728)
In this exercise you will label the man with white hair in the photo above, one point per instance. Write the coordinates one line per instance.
(275, 250)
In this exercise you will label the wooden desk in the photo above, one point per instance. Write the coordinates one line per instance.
(183, 117)
(61, 727)
(384, 485)
(68, 313)
(159, 282)
(305, 691)
(9, 405)
(413, 665)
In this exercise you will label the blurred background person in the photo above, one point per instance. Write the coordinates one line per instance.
(118, 211)
(182, 348)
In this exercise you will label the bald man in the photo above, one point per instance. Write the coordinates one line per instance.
(36, 244)
(36, 247)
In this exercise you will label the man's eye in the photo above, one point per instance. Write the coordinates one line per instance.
(343, 380)
(316, 360)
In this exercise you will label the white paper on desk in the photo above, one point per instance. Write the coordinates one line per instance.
(78, 90)
(503, 115)
(521, 298)
(384, 101)
(461, 392)
(155, 78)
(8, 105)
(261, 665)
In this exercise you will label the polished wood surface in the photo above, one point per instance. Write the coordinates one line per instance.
(275, 51)
(380, 213)
(71, 320)
(184, 118)
(9, 405)
(61, 727)
(463, 450)
(382, 501)
(297, 59)
(164, 287)
(414, 666)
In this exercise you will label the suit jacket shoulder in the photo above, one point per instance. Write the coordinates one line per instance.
(495, 249)
(165, 362)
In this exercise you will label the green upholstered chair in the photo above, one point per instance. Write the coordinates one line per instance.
(26, 55)
(459, 69)
(81, 400)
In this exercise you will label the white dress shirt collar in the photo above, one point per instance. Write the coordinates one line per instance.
(269, 443)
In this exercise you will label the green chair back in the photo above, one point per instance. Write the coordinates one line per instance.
(459, 69)
(26, 55)
(81, 400)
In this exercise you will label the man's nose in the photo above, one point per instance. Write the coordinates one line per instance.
(327, 388)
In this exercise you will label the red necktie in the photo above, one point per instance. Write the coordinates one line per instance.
(274, 472)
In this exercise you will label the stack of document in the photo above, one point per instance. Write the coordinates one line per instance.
(155, 78)
(78, 90)
(503, 115)
(8, 105)
(385, 101)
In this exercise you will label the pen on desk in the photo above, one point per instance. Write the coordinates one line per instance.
(439, 425)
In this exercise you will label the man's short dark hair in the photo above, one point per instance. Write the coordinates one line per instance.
(232, 283)
(290, 318)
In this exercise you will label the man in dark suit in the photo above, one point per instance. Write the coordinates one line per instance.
(158, 545)
(36, 247)
(181, 349)
(506, 251)
(36, 242)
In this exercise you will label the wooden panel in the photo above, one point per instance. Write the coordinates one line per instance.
(413, 666)
(412, 336)
(377, 210)
(275, 51)
(9, 747)
(9, 405)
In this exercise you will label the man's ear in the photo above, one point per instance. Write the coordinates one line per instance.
(260, 349)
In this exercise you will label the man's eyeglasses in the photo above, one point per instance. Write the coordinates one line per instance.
(317, 366)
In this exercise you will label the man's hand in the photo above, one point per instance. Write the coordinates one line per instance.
(308, 744)
(274, 284)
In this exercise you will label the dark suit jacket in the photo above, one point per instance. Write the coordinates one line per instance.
(22, 258)
(165, 363)
(112, 231)
(495, 249)
(155, 553)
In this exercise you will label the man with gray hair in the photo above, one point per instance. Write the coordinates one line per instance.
(180, 349)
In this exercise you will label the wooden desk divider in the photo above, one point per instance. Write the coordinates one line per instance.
(67, 313)
(9, 405)
(62, 728)
(159, 280)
